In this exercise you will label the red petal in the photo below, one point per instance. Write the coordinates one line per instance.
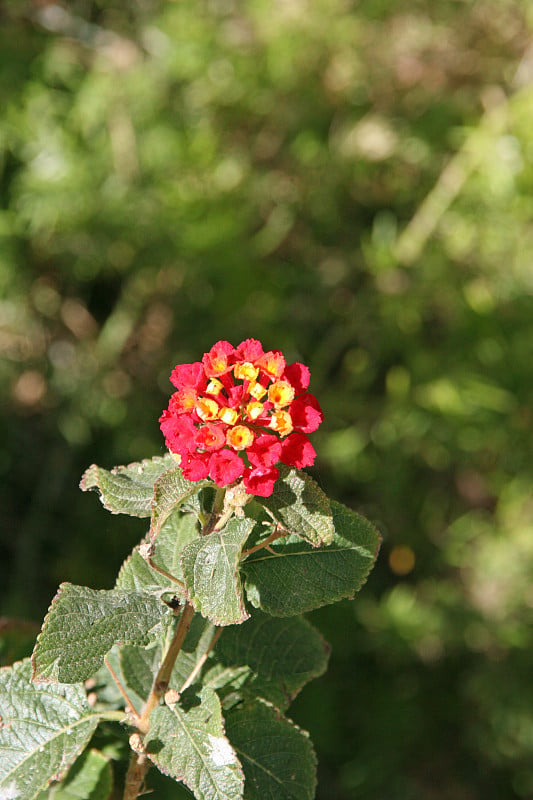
(260, 481)
(249, 350)
(217, 360)
(265, 451)
(179, 432)
(211, 437)
(225, 466)
(297, 451)
(298, 376)
(189, 375)
(196, 467)
(306, 413)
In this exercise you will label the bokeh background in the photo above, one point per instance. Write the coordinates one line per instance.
(348, 181)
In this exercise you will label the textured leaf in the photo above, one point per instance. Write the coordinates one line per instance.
(129, 489)
(83, 624)
(90, 778)
(294, 577)
(43, 728)
(282, 654)
(211, 569)
(301, 507)
(171, 491)
(138, 666)
(277, 757)
(136, 574)
(190, 746)
(135, 665)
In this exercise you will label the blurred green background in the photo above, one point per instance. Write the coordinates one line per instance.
(350, 182)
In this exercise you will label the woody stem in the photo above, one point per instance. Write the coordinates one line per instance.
(162, 678)
(278, 533)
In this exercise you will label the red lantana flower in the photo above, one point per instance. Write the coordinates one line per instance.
(237, 413)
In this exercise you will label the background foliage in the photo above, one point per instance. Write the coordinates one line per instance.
(351, 183)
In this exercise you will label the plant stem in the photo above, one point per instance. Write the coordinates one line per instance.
(276, 534)
(201, 661)
(135, 775)
(162, 678)
(130, 708)
(165, 573)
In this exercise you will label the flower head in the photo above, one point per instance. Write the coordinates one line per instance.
(238, 413)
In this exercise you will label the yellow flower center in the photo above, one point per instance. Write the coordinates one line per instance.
(228, 415)
(281, 422)
(257, 391)
(214, 386)
(206, 409)
(254, 410)
(239, 437)
(245, 371)
(280, 393)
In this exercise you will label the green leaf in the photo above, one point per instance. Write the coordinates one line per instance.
(90, 778)
(301, 507)
(138, 665)
(43, 728)
(211, 569)
(283, 654)
(135, 666)
(277, 757)
(294, 577)
(171, 491)
(83, 624)
(137, 575)
(190, 746)
(129, 489)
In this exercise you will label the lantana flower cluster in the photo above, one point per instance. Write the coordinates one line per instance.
(237, 413)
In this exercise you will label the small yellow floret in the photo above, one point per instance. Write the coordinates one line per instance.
(214, 387)
(257, 390)
(280, 393)
(254, 410)
(228, 415)
(245, 371)
(281, 422)
(240, 437)
(206, 409)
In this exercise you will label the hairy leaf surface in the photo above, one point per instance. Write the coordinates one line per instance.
(282, 654)
(83, 624)
(137, 575)
(43, 729)
(277, 757)
(294, 577)
(128, 489)
(90, 778)
(190, 746)
(301, 507)
(211, 569)
(171, 490)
